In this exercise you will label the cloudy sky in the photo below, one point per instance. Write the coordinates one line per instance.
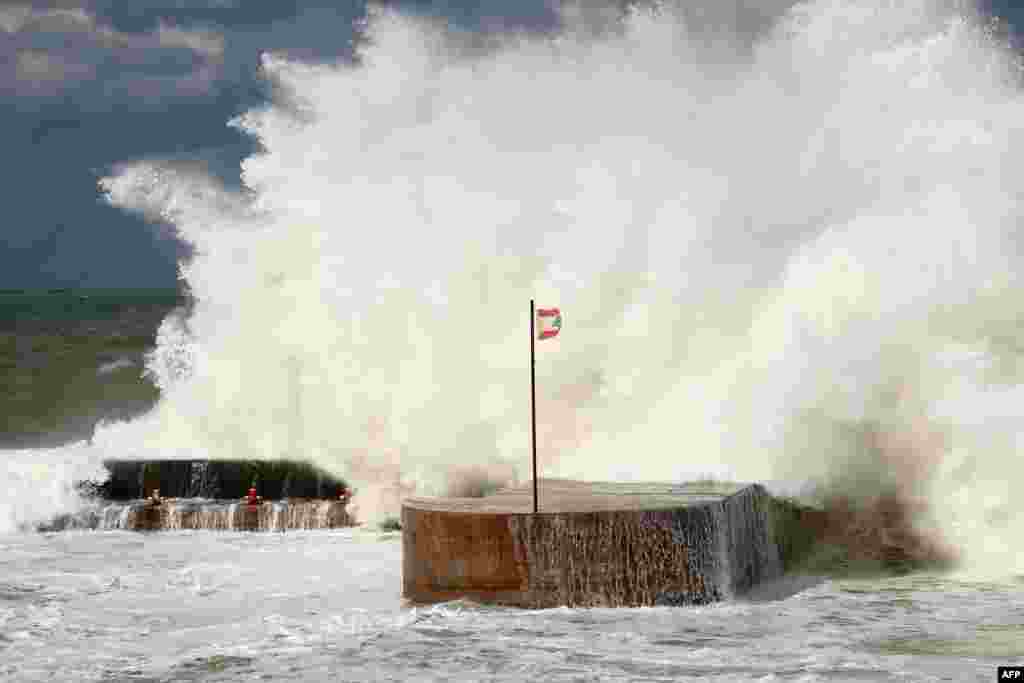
(87, 84)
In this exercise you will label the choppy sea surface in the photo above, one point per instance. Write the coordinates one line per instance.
(326, 606)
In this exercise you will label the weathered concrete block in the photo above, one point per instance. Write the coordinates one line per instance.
(592, 544)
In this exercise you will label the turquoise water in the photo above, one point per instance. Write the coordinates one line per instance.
(71, 305)
(70, 358)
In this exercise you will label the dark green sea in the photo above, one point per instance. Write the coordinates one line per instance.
(72, 357)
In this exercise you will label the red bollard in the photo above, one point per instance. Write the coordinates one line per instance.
(252, 512)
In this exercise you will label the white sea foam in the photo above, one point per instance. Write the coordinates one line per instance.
(38, 484)
(231, 606)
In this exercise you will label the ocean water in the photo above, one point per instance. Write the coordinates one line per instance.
(225, 606)
(70, 359)
(73, 306)
(760, 239)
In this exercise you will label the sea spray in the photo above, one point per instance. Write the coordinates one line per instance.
(742, 290)
(758, 241)
(40, 483)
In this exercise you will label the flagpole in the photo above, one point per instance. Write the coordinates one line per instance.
(533, 407)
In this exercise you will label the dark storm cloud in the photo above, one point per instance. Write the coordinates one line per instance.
(486, 15)
(47, 52)
(87, 85)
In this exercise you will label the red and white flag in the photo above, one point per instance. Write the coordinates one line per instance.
(549, 322)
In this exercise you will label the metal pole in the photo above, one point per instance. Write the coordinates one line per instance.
(533, 408)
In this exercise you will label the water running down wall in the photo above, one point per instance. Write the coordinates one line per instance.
(208, 494)
(215, 515)
(598, 545)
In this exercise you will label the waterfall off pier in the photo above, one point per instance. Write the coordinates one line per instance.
(198, 513)
(597, 544)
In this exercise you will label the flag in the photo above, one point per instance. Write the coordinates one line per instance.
(549, 322)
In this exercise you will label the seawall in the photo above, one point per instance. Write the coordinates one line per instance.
(210, 494)
(598, 544)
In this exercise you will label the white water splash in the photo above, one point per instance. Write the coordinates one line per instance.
(756, 241)
(39, 484)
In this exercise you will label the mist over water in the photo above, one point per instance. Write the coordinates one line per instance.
(759, 241)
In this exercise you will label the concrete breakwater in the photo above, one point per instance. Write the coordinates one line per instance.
(214, 479)
(599, 544)
(210, 494)
(219, 515)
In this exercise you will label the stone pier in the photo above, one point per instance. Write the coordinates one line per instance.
(597, 544)
(210, 494)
